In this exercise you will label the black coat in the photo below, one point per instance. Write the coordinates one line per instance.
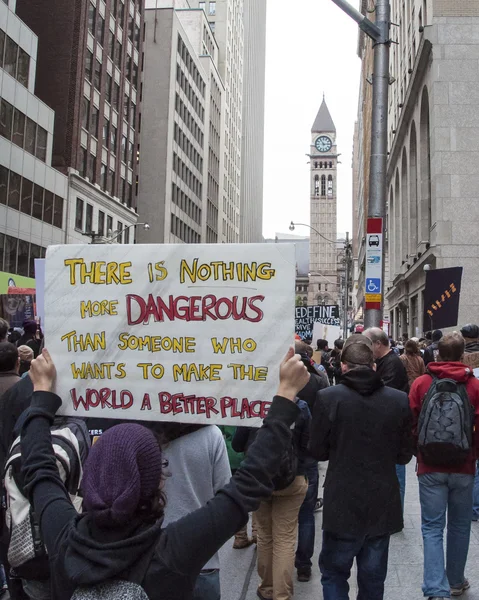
(82, 554)
(363, 428)
(393, 372)
(311, 389)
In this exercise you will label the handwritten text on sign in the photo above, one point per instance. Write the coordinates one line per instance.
(188, 333)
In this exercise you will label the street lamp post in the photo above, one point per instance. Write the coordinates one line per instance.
(347, 249)
(96, 238)
(379, 33)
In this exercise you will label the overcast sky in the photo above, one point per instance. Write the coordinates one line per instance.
(311, 49)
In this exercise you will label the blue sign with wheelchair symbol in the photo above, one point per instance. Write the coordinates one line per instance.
(373, 286)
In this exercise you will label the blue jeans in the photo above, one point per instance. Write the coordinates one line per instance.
(438, 493)
(475, 507)
(401, 475)
(306, 523)
(336, 560)
(208, 585)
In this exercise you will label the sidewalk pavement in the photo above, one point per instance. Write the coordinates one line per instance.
(239, 578)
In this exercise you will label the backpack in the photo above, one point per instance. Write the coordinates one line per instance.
(27, 554)
(446, 424)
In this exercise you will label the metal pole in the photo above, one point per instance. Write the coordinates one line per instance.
(379, 32)
(379, 137)
(346, 286)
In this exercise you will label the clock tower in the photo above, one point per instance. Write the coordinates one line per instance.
(323, 279)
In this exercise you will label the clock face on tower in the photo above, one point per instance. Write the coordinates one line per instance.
(323, 144)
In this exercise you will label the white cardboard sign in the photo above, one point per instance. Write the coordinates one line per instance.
(187, 333)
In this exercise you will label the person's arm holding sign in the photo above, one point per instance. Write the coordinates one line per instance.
(207, 529)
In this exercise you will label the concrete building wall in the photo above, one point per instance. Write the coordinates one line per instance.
(433, 169)
(252, 151)
(33, 195)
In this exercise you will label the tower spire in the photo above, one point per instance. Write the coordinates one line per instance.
(323, 122)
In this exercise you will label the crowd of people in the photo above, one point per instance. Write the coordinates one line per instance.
(159, 500)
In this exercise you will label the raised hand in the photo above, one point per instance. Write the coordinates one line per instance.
(43, 372)
(293, 375)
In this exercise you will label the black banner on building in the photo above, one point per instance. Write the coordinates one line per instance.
(441, 298)
(307, 316)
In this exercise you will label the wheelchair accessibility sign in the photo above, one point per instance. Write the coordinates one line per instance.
(373, 286)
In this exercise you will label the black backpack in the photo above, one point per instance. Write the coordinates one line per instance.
(446, 424)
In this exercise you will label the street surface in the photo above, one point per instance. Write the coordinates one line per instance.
(239, 578)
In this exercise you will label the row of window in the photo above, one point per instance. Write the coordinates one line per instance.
(18, 256)
(317, 185)
(182, 231)
(84, 223)
(187, 176)
(211, 7)
(323, 165)
(13, 59)
(186, 204)
(189, 120)
(212, 216)
(188, 148)
(189, 93)
(31, 199)
(190, 65)
(22, 131)
(88, 168)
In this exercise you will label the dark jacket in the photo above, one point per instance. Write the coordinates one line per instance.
(392, 371)
(7, 380)
(13, 402)
(431, 353)
(311, 389)
(364, 429)
(82, 554)
(245, 436)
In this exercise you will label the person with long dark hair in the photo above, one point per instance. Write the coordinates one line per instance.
(120, 538)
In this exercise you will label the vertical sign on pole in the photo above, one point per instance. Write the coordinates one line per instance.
(374, 264)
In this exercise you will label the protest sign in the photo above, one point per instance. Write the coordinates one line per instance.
(187, 333)
(326, 332)
(441, 298)
(307, 316)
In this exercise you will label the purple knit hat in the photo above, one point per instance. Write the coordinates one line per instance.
(122, 471)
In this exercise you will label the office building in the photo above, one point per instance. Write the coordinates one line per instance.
(33, 195)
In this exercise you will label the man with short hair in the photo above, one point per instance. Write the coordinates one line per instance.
(393, 372)
(363, 429)
(431, 353)
(9, 365)
(4, 327)
(446, 488)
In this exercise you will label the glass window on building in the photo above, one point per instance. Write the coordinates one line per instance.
(30, 136)
(131, 27)
(91, 171)
(126, 236)
(48, 207)
(134, 79)
(94, 121)
(111, 44)
(121, 13)
(3, 185)
(91, 18)
(113, 138)
(23, 67)
(126, 102)
(23, 262)
(114, 8)
(106, 133)
(41, 147)
(6, 119)
(119, 239)
(35, 252)
(97, 79)
(18, 137)
(101, 223)
(118, 54)
(58, 212)
(11, 254)
(85, 112)
(14, 188)
(202, 5)
(89, 218)
(100, 30)
(79, 215)
(124, 148)
(27, 196)
(116, 96)
(109, 226)
(88, 65)
(37, 209)
(2, 52)
(103, 176)
(132, 114)
(11, 55)
(212, 8)
(213, 26)
(108, 87)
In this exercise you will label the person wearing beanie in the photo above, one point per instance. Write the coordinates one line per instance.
(470, 333)
(26, 355)
(120, 535)
(32, 336)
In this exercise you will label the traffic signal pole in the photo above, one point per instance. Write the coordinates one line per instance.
(379, 33)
